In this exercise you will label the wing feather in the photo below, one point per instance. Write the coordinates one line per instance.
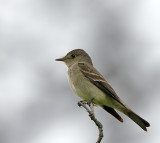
(97, 79)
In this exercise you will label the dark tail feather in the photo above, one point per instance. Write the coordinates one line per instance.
(137, 119)
(113, 112)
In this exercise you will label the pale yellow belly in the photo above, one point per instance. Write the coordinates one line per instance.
(87, 91)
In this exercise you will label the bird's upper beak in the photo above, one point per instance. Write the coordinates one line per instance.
(61, 59)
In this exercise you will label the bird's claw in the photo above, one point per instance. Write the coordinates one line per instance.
(90, 102)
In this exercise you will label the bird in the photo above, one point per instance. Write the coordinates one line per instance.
(87, 82)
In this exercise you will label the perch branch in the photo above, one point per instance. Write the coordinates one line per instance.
(92, 116)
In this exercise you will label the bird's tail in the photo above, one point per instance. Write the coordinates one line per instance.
(137, 119)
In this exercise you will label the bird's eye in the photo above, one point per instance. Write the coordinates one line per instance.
(73, 56)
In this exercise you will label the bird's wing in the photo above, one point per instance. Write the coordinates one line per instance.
(112, 112)
(97, 79)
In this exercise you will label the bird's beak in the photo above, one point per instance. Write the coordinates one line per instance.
(61, 59)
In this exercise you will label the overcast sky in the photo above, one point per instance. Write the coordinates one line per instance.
(36, 102)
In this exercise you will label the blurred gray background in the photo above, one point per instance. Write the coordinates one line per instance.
(36, 102)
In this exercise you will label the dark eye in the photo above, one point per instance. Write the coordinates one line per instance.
(73, 56)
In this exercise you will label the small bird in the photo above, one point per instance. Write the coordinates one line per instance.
(90, 85)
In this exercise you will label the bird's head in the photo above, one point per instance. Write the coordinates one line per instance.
(75, 56)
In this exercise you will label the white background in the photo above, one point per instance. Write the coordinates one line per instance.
(36, 102)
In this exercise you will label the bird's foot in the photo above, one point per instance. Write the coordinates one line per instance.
(84, 102)
(90, 102)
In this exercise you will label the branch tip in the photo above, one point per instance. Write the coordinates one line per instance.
(92, 116)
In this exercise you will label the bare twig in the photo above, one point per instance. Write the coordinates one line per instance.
(92, 116)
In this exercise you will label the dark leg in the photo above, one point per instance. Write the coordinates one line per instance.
(90, 102)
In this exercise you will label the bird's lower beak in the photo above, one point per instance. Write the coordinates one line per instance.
(61, 59)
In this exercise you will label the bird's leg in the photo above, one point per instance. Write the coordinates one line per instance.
(90, 102)
(91, 105)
